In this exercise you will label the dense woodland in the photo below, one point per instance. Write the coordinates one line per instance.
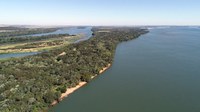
(30, 84)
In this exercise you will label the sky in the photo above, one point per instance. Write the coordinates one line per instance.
(100, 12)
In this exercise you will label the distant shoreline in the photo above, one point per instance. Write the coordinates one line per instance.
(73, 89)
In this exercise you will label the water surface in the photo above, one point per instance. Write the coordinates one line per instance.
(158, 72)
(12, 55)
(86, 31)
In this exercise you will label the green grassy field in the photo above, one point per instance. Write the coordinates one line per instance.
(35, 46)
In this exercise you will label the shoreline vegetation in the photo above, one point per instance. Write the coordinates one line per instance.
(32, 83)
(73, 89)
(39, 43)
(21, 40)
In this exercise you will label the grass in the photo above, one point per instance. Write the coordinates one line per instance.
(38, 46)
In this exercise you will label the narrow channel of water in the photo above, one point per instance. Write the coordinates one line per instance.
(86, 31)
(15, 55)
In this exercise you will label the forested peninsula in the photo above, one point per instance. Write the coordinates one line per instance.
(31, 84)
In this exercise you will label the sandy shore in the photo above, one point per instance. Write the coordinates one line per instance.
(104, 69)
(73, 89)
(68, 92)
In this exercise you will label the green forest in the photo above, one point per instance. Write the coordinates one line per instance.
(30, 84)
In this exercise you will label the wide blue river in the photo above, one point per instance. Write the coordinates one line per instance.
(158, 72)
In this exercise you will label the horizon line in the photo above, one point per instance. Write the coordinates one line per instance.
(91, 25)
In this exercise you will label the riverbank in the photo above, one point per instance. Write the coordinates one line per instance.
(132, 84)
(49, 72)
(73, 89)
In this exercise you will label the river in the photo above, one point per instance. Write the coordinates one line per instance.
(85, 32)
(158, 72)
(11, 55)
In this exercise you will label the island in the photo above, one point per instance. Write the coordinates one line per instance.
(34, 83)
(22, 40)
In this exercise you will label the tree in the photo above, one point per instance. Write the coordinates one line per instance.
(49, 97)
(86, 77)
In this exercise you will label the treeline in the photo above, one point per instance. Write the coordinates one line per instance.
(12, 28)
(30, 84)
(26, 31)
(30, 38)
